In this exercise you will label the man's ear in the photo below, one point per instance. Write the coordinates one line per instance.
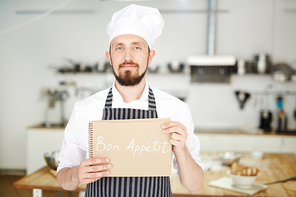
(109, 57)
(151, 55)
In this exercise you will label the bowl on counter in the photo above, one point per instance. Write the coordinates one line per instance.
(51, 158)
(227, 158)
(240, 181)
(257, 154)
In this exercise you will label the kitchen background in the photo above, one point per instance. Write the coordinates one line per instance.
(30, 55)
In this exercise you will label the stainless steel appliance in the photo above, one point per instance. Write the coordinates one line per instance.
(263, 63)
(211, 69)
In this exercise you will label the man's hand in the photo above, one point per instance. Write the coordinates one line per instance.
(93, 169)
(191, 174)
(179, 136)
(88, 171)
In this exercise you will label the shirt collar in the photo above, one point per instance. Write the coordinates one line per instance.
(118, 98)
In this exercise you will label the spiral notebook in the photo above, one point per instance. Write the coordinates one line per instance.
(135, 147)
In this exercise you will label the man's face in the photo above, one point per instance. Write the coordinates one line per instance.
(129, 56)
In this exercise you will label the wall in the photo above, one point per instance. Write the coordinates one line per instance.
(248, 27)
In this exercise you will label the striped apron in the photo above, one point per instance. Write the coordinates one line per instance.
(129, 186)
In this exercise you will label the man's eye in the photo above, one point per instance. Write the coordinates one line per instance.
(118, 48)
(137, 48)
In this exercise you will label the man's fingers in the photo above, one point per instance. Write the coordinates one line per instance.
(93, 176)
(95, 160)
(176, 143)
(172, 124)
(93, 169)
(174, 127)
(97, 168)
(176, 130)
(169, 124)
(177, 137)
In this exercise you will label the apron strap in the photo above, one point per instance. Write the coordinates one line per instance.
(151, 100)
(108, 103)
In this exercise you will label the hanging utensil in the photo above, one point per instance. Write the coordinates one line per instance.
(284, 180)
(263, 63)
(282, 117)
(242, 98)
(265, 116)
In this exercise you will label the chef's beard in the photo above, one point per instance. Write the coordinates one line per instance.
(126, 77)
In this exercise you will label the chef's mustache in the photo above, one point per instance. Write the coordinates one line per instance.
(128, 63)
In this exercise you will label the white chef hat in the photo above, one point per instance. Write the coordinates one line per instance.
(142, 21)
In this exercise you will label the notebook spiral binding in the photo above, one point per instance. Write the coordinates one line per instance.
(91, 140)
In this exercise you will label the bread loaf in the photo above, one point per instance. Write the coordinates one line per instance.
(236, 168)
(243, 170)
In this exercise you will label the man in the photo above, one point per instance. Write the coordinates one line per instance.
(131, 32)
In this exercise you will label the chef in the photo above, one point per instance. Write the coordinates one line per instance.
(132, 31)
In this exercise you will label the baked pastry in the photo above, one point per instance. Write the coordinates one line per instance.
(236, 168)
(243, 170)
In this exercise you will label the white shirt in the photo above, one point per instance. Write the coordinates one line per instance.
(75, 145)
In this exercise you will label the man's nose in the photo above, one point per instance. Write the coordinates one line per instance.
(128, 57)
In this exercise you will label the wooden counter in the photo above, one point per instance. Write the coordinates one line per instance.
(272, 167)
(41, 179)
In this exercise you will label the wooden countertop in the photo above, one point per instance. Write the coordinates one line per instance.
(272, 167)
(41, 179)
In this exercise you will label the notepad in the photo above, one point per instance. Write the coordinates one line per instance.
(135, 147)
